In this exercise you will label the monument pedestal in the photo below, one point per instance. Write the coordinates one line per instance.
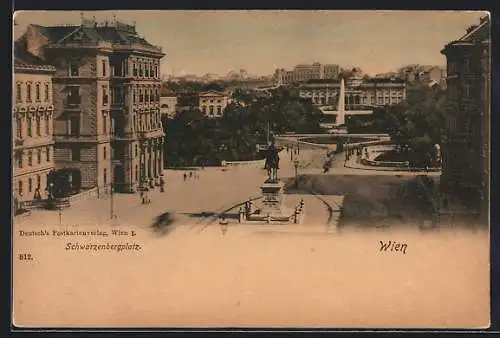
(272, 208)
(272, 192)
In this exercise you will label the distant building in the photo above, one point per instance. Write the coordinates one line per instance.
(168, 102)
(359, 91)
(213, 103)
(423, 74)
(306, 72)
(465, 145)
(330, 71)
(32, 125)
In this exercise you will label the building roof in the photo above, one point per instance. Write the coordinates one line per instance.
(477, 32)
(108, 32)
(473, 34)
(212, 93)
(23, 58)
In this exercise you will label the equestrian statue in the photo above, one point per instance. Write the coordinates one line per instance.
(272, 163)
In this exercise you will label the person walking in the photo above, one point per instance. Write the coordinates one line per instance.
(185, 177)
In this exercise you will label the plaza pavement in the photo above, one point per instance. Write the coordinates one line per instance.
(192, 202)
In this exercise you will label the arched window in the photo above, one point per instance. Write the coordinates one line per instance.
(47, 93)
(28, 92)
(18, 93)
(37, 92)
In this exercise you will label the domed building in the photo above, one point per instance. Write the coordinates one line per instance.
(355, 77)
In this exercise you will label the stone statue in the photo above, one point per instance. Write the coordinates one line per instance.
(272, 162)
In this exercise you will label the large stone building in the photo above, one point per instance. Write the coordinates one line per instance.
(465, 146)
(306, 72)
(358, 92)
(212, 103)
(32, 121)
(106, 95)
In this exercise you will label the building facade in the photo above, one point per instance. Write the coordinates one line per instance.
(106, 95)
(213, 103)
(465, 149)
(306, 72)
(168, 103)
(32, 125)
(358, 92)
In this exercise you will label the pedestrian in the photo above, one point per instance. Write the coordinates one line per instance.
(185, 177)
(143, 200)
(190, 174)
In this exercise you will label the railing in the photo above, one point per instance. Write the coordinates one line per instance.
(73, 102)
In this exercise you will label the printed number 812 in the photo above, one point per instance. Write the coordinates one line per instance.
(25, 257)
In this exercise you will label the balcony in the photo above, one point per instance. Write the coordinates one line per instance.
(73, 102)
(118, 102)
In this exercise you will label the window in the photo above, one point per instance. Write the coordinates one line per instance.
(136, 150)
(466, 65)
(39, 156)
(47, 94)
(146, 70)
(146, 95)
(136, 172)
(74, 127)
(28, 92)
(18, 93)
(75, 154)
(104, 123)
(103, 67)
(19, 128)
(30, 184)
(134, 96)
(30, 158)
(20, 187)
(104, 96)
(37, 92)
(141, 70)
(73, 95)
(47, 154)
(219, 110)
(134, 69)
(73, 69)
(28, 122)
(20, 160)
(38, 182)
(105, 176)
(141, 96)
(38, 126)
(466, 92)
(211, 110)
(47, 125)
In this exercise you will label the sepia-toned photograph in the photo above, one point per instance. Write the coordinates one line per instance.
(251, 169)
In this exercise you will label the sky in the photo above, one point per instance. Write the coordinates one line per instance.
(199, 42)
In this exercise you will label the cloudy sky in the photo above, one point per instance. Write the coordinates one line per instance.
(199, 42)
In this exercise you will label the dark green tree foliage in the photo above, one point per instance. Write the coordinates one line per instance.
(193, 139)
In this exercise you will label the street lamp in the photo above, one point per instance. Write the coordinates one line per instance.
(296, 165)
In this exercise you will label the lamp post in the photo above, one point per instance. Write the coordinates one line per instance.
(296, 165)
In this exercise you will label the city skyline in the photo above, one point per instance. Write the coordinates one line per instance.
(200, 42)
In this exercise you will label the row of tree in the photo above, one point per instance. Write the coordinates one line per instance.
(193, 139)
